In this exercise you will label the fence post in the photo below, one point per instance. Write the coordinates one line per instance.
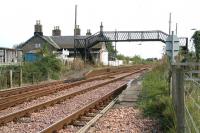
(10, 78)
(20, 77)
(174, 83)
(32, 78)
(179, 98)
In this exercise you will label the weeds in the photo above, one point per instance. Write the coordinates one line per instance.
(155, 100)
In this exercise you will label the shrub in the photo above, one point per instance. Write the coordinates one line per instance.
(48, 67)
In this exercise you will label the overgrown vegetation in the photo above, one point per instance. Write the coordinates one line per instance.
(48, 67)
(111, 51)
(196, 40)
(134, 60)
(155, 100)
(4, 75)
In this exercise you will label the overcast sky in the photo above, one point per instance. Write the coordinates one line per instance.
(19, 16)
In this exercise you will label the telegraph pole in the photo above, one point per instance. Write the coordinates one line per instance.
(170, 15)
(75, 26)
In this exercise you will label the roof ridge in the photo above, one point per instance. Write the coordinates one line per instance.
(51, 41)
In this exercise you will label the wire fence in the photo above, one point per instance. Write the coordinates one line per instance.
(192, 101)
(186, 97)
(15, 76)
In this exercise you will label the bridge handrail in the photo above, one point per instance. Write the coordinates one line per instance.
(104, 36)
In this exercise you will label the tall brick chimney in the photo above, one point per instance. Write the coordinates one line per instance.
(56, 31)
(38, 28)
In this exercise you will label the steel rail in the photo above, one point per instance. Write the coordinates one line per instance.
(20, 98)
(70, 118)
(97, 117)
(18, 114)
(19, 90)
(17, 99)
(110, 70)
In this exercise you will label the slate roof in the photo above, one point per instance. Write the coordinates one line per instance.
(48, 39)
(61, 42)
(65, 41)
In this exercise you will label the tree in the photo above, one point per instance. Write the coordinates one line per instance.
(111, 50)
(120, 57)
(18, 46)
(136, 59)
(196, 40)
(44, 51)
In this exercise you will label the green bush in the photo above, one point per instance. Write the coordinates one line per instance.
(48, 67)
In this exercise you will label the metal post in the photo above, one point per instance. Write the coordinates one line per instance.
(176, 28)
(173, 47)
(170, 15)
(75, 32)
(10, 74)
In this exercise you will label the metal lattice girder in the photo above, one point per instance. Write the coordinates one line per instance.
(125, 36)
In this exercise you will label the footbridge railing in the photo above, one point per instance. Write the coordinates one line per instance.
(125, 36)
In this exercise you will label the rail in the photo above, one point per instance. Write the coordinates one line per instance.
(20, 113)
(67, 120)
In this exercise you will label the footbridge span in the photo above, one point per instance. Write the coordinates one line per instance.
(123, 36)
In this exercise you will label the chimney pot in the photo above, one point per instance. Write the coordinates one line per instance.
(56, 31)
(38, 28)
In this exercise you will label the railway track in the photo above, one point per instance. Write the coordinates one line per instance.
(18, 96)
(56, 125)
(95, 74)
(27, 96)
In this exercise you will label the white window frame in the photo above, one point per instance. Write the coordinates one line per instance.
(37, 45)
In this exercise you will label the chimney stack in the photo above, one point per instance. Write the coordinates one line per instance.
(77, 30)
(38, 28)
(88, 33)
(56, 31)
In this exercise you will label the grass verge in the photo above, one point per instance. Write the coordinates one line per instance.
(155, 100)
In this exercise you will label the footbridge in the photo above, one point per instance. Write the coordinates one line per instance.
(123, 36)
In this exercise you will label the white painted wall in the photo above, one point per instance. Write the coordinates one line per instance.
(116, 63)
(104, 58)
(103, 54)
(63, 56)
